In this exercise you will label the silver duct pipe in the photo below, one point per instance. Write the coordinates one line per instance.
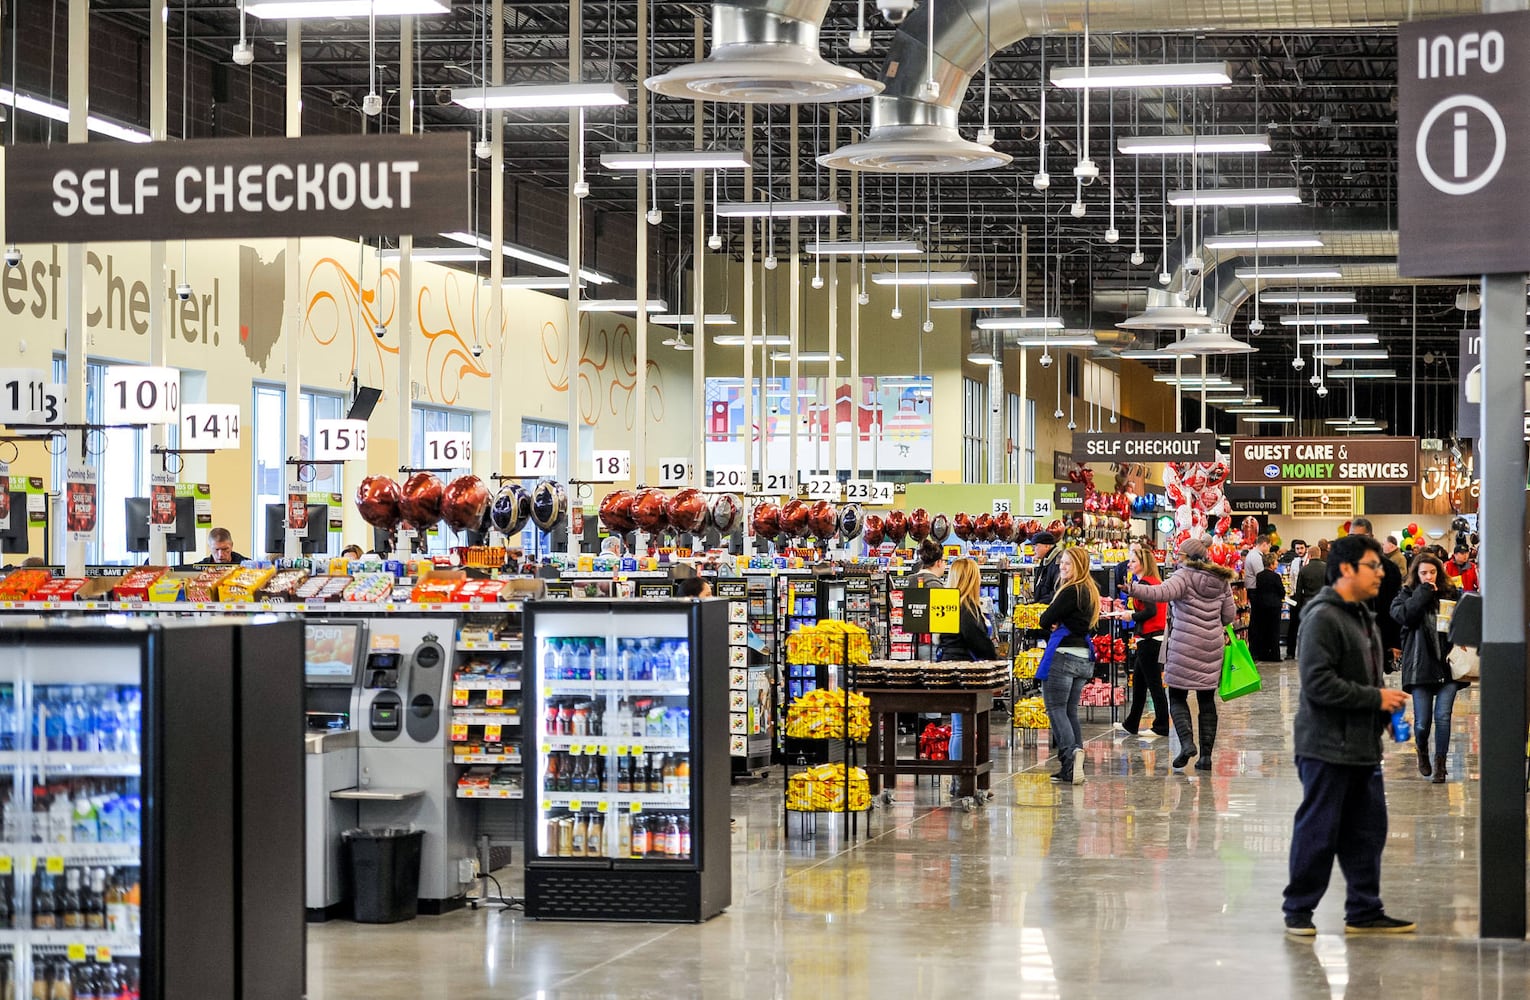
(765, 52)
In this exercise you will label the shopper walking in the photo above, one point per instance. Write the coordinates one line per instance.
(1265, 602)
(1047, 554)
(1462, 570)
(973, 642)
(1199, 594)
(1339, 720)
(932, 564)
(1302, 555)
(1075, 607)
(1381, 605)
(1149, 618)
(1425, 672)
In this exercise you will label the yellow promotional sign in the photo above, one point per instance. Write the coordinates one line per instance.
(945, 610)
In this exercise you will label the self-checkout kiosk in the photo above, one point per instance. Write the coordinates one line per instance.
(332, 655)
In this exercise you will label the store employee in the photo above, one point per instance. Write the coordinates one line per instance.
(220, 549)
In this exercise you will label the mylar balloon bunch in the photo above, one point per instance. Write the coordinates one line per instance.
(1195, 493)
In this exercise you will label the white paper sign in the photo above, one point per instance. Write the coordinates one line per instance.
(674, 472)
(339, 440)
(730, 478)
(779, 482)
(1041, 508)
(209, 425)
(448, 449)
(536, 459)
(80, 503)
(820, 487)
(1001, 505)
(870, 492)
(611, 466)
(138, 394)
(22, 393)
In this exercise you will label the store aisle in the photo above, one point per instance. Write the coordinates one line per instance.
(1138, 883)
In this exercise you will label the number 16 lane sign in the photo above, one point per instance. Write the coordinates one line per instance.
(1463, 145)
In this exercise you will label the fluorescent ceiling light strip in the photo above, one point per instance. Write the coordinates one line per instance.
(620, 305)
(532, 282)
(1300, 298)
(60, 113)
(979, 302)
(1146, 355)
(1252, 409)
(1267, 420)
(1018, 322)
(982, 358)
(528, 255)
(1237, 196)
(1345, 355)
(689, 319)
(805, 356)
(758, 340)
(1362, 373)
(444, 255)
(678, 159)
(778, 209)
(298, 9)
(1064, 341)
(1325, 339)
(1168, 145)
(533, 96)
(1324, 319)
(1347, 422)
(1359, 429)
(1194, 380)
(871, 248)
(1263, 241)
(1209, 74)
(1288, 272)
(923, 278)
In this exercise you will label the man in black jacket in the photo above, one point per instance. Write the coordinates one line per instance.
(1381, 606)
(1342, 713)
(1046, 567)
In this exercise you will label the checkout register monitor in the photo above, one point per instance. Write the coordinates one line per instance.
(332, 652)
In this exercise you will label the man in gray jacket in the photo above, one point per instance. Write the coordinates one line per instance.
(1342, 713)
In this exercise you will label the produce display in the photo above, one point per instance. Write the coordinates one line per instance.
(420, 503)
(825, 643)
(1030, 713)
(377, 499)
(820, 715)
(822, 789)
(465, 503)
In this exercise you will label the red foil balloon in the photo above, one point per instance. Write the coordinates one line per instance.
(983, 527)
(421, 502)
(616, 512)
(895, 526)
(1004, 527)
(794, 519)
(650, 510)
(873, 530)
(377, 499)
(919, 524)
(464, 503)
(823, 520)
(766, 521)
(962, 525)
(688, 510)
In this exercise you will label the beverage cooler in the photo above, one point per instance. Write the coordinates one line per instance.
(627, 733)
(151, 786)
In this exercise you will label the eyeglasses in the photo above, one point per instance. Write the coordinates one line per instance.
(1370, 564)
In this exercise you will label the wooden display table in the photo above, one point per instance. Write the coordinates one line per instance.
(882, 758)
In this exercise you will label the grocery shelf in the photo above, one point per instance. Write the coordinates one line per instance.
(672, 689)
(490, 793)
(487, 646)
(487, 684)
(74, 851)
(625, 799)
(486, 718)
(487, 758)
(250, 607)
(125, 945)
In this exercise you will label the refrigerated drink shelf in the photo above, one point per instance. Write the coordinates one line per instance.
(121, 945)
(97, 763)
(490, 793)
(669, 689)
(486, 758)
(624, 745)
(579, 800)
(87, 852)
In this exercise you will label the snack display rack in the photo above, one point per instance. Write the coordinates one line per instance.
(820, 772)
(750, 688)
(487, 722)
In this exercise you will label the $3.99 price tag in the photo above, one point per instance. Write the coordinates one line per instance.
(945, 610)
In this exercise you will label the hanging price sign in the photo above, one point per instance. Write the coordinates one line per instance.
(945, 610)
(611, 466)
(779, 482)
(21, 394)
(820, 487)
(674, 472)
(209, 425)
(138, 394)
(535, 459)
(448, 449)
(339, 440)
(729, 477)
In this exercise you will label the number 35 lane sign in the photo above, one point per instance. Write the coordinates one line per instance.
(1463, 145)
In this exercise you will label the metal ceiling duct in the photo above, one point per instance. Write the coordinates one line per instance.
(765, 52)
(913, 126)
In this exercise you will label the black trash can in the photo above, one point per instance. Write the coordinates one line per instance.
(385, 874)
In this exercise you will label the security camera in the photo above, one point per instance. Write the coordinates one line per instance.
(897, 313)
(244, 53)
(986, 137)
(1042, 181)
(182, 291)
(1112, 235)
(1322, 390)
(1077, 208)
(1137, 259)
(863, 299)
(655, 216)
(483, 149)
(477, 350)
(817, 281)
(1256, 326)
(770, 262)
(581, 189)
(381, 330)
(1194, 265)
(714, 242)
(1086, 170)
(371, 105)
(1045, 361)
(860, 42)
(1315, 381)
(895, 11)
(12, 255)
(929, 326)
(1298, 362)
(1057, 414)
(1164, 277)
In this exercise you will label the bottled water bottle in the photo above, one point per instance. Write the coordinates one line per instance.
(663, 666)
(680, 662)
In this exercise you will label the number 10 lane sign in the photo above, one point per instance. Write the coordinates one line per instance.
(1463, 145)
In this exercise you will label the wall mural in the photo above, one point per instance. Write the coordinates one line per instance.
(339, 307)
(449, 357)
(607, 370)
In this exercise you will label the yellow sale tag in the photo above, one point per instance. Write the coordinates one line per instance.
(575, 750)
(76, 952)
(602, 806)
(592, 749)
(621, 751)
(459, 697)
(55, 866)
(546, 748)
(103, 953)
(459, 732)
(491, 734)
(636, 807)
(945, 610)
(5, 864)
(637, 749)
(546, 805)
(494, 698)
(575, 804)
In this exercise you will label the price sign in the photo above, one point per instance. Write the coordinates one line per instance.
(945, 610)
(674, 472)
(778, 482)
(54, 865)
(576, 804)
(448, 449)
(1041, 508)
(535, 459)
(459, 732)
(636, 807)
(730, 477)
(820, 487)
(1001, 505)
(137, 394)
(21, 392)
(494, 697)
(339, 440)
(491, 734)
(459, 697)
(103, 953)
(75, 952)
(209, 425)
(612, 466)
(602, 806)
(6, 865)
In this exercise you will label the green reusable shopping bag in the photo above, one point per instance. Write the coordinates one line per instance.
(1239, 675)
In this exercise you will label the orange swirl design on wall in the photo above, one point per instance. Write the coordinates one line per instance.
(453, 318)
(339, 305)
(607, 371)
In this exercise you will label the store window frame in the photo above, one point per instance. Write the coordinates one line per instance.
(426, 419)
(313, 405)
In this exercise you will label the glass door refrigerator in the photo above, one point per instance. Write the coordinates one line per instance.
(628, 802)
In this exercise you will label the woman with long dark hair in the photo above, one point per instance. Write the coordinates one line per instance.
(1150, 618)
(1425, 672)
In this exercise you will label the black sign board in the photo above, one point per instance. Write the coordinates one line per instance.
(1469, 395)
(731, 589)
(1463, 142)
(1068, 496)
(237, 188)
(1253, 499)
(662, 589)
(560, 590)
(1126, 449)
(1369, 461)
(1062, 464)
(916, 610)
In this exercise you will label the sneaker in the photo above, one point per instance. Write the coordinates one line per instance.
(1119, 730)
(1381, 925)
(1300, 927)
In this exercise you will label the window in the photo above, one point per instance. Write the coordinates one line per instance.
(427, 419)
(119, 457)
(545, 432)
(269, 447)
(1014, 454)
(974, 430)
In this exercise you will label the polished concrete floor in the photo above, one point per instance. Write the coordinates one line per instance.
(1140, 882)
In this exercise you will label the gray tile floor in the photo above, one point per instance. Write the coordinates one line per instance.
(1141, 882)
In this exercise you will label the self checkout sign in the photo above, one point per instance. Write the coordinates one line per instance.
(1463, 145)
(137, 394)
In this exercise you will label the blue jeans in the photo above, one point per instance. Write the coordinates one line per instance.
(1060, 693)
(1343, 814)
(1432, 704)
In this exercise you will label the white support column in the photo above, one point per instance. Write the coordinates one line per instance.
(159, 294)
(405, 326)
(575, 257)
(293, 333)
(747, 302)
(496, 335)
(640, 401)
(75, 334)
(794, 371)
(858, 231)
(1027, 471)
(698, 285)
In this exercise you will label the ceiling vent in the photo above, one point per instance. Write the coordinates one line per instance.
(765, 52)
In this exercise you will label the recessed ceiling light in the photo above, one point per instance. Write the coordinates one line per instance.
(535, 96)
(1209, 74)
(1237, 196)
(1168, 145)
